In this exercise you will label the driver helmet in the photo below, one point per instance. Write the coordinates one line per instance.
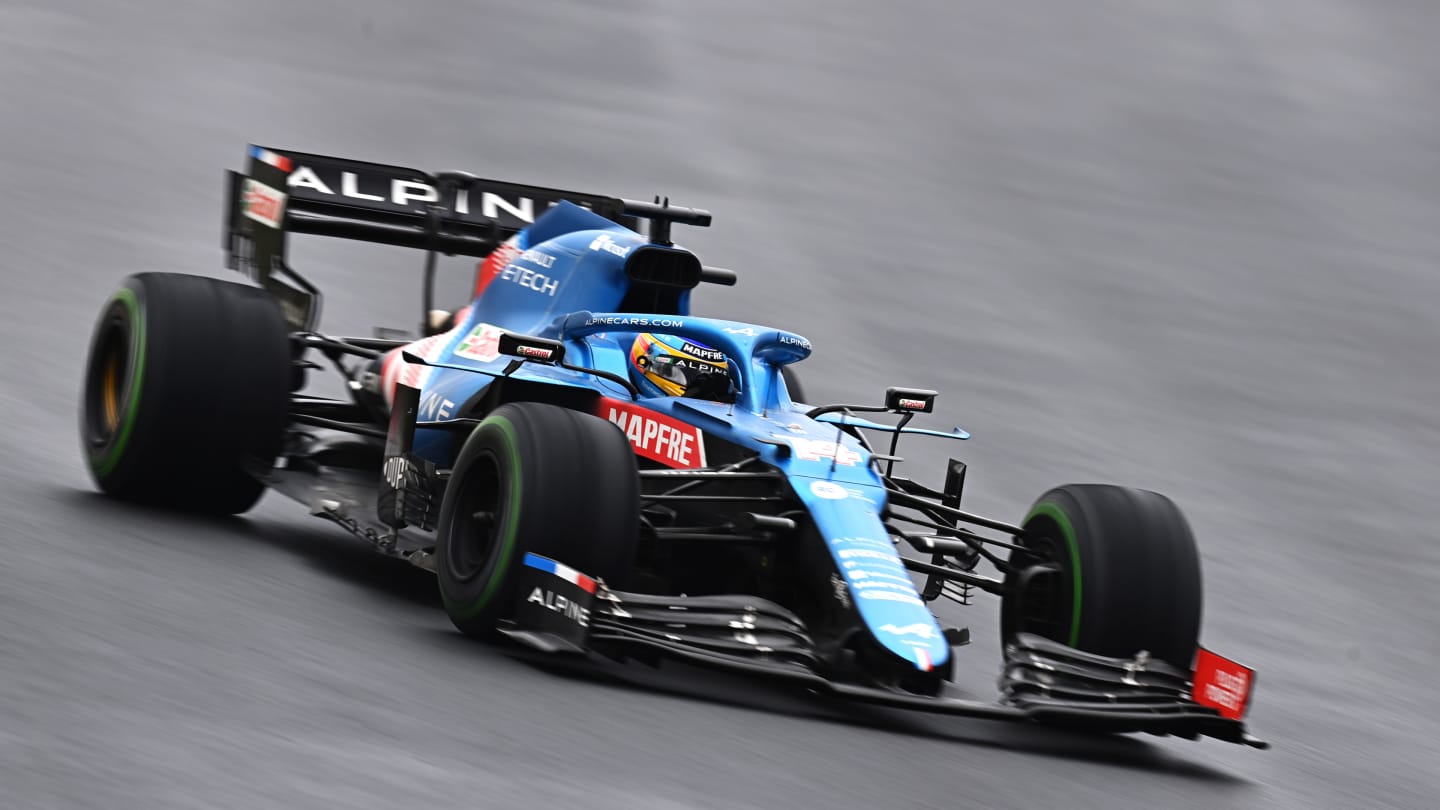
(665, 365)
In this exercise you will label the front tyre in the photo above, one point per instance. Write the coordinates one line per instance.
(534, 478)
(187, 385)
(1109, 570)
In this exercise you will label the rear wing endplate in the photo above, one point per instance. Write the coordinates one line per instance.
(283, 192)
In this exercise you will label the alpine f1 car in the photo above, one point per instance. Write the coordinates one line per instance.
(590, 470)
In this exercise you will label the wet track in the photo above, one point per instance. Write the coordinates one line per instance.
(1190, 247)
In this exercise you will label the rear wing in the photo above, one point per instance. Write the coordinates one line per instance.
(283, 192)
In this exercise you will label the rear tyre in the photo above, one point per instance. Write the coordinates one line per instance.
(534, 478)
(1109, 570)
(187, 385)
(792, 384)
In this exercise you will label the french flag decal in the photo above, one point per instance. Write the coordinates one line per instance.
(266, 156)
(564, 572)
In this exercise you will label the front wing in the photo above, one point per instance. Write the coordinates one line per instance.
(562, 611)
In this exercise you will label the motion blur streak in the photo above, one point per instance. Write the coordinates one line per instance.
(1187, 246)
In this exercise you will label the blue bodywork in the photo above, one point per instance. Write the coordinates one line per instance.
(568, 284)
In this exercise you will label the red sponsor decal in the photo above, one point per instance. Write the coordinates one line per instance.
(497, 261)
(263, 203)
(483, 343)
(1222, 684)
(656, 436)
(913, 404)
(394, 369)
(535, 351)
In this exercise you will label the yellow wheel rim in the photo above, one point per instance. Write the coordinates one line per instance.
(110, 392)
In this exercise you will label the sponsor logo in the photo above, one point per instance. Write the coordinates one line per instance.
(539, 257)
(894, 586)
(842, 593)
(605, 243)
(865, 553)
(656, 436)
(262, 203)
(1222, 684)
(434, 407)
(550, 600)
(828, 490)
(922, 658)
(747, 331)
(535, 351)
(525, 277)
(410, 193)
(881, 575)
(920, 629)
(702, 352)
(912, 404)
(621, 320)
(483, 343)
(891, 596)
(395, 468)
(817, 450)
(860, 541)
(794, 340)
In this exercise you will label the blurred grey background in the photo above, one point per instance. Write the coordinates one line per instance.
(1184, 246)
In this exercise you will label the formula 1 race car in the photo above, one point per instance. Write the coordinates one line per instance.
(589, 470)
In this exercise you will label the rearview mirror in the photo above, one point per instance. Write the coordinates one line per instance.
(910, 400)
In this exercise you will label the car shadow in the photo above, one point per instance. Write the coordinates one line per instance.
(687, 682)
(323, 546)
(330, 550)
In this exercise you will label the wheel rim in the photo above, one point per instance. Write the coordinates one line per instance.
(474, 530)
(109, 376)
(1039, 599)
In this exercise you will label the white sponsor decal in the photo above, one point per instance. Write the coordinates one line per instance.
(747, 331)
(412, 193)
(539, 257)
(794, 340)
(865, 554)
(525, 277)
(658, 437)
(395, 468)
(828, 490)
(860, 541)
(483, 343)
(920, 629)
(894, 586)
(818, 450)
(554, 601)
(890, 596)
(881, 574)
(434, 407)
(605, 243)
(262, 203)
(620, 320)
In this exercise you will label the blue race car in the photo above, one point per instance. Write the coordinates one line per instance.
(590, 470)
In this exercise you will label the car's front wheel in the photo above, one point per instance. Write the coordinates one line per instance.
(1109, 570)
(534, 478)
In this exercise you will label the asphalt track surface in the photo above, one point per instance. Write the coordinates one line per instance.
(1186, 246)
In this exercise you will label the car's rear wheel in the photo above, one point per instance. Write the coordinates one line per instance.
(534, 478)
(792, 384)
(1109, 570)
(186, 388)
